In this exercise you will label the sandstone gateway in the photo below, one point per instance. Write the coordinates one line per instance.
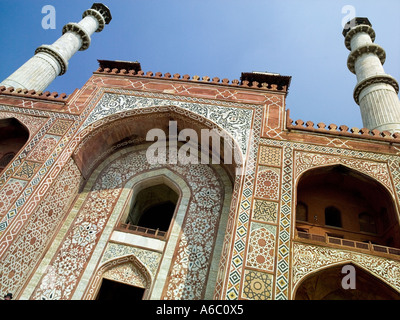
(85, 215)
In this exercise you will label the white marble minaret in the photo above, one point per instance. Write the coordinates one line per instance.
(51, 61)
(375, 92)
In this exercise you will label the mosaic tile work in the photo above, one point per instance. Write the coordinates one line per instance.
(261, 247)
(377, 170)
(282, 272)
(282, 275)
(270, 156)
(126, 273)
(231, 265)
(150, 259)
(31, 195)
(36, 125)
(309, 258)
(9, 193)
(268, 182)
(27, 170)
(257, 285)
(235, 120)
(60, 127)
(191, 261)
(265, 211)
(28, 246)
(31, 122)
(127, 269)
(44, 148)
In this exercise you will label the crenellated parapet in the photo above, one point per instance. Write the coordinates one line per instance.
(262, 81)
(343, 130)
(25, 93)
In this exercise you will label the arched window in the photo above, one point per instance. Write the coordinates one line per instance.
(367, 222)
(301, 212)
(153, 207)
(333, 217)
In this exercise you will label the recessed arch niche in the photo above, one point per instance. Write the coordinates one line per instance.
(339, 200)
(112, 151)
(14, 136)
(326, 284)
(131, 128)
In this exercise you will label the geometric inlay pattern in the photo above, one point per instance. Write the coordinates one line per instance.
(267, 185)
(239, 224)
(261, 250)
(282, 272)
(9, 193)
(60, 127)
(150, 259)
(265, 211)
(190, 264)
(236, 121)
(27, 170)
(270, 156)
(257, 285)
(126, 273)
(309, 258)
(29, 244)
(376, 170)
(44, 148)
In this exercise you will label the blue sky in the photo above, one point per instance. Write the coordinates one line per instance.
(217, 38)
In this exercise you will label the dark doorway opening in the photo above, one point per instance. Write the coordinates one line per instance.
(113, 290)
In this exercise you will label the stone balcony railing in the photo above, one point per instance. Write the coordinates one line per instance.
(364, 247)
(147, 232)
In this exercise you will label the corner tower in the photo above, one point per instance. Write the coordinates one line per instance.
(375, 92)
(51, 61)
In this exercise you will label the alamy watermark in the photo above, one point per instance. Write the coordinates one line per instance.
(49, 20)
(348, 19)
(349, 280)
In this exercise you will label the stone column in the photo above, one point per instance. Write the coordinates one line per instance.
(375, 91)
(51, 61)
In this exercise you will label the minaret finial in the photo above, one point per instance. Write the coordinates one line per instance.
(51, 61)
(375, 91)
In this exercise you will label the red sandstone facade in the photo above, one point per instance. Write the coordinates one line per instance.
(66, 194)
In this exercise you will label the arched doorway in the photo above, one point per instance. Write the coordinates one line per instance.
(326, 284)
(124, 278)
(116, 291)
(346, 204)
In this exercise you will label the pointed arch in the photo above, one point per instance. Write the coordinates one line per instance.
(326, 284)
(116, 131)
(114, 175)
(140, 271)
(112, 151)
(336, 194)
